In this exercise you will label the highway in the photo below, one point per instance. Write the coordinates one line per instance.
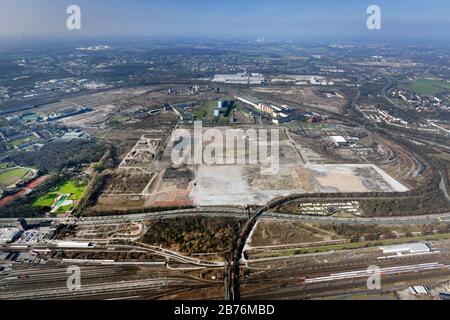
(405, 220)
(232, 212)
(137, 217)
(145, 288)
(234, 270)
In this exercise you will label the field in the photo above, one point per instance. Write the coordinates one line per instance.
(429, 86)
(272, 233)
(18, 142)
(205, 113)
(351, 246)
(10, 177)
(246, 184)
(284, 238)
(73, 188)
(148, 177)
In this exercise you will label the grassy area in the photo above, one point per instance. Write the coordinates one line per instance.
(358, 245)
(75, 190)
(122, 118)
(206, 113)
(428, 86)
(63, 209)
(18, 142)
(12, 176)
(45, 200)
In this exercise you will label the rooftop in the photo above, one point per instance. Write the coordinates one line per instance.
(8, 234)
(416, 247)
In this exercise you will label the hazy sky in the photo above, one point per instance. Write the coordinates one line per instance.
(226, 18)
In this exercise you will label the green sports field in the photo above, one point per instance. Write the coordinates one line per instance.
(10, 177)
(428, 86)
(75, 190)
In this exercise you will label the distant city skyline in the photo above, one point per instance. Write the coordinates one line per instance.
(345, 19)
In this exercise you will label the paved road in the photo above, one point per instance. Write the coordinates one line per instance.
(210, 211)
(238, 213)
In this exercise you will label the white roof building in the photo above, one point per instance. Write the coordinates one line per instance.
(73, 244)
(408, 248)
(338, 140)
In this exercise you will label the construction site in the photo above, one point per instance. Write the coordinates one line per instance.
(148, 176)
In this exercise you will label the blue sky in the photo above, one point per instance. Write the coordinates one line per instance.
(227, 18)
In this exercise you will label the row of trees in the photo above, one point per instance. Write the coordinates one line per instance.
(58, 155)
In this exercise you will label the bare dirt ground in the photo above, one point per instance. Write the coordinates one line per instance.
(244, 184)
(270, 232)
(156, 181)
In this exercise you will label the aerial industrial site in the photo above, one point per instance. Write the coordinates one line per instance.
(224, 169)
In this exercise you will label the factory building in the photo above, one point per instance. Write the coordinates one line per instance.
(239, 78)
(280, 114)
(180, 109)
(338, 141)
(408, 248)
(74, 244)
(287, 117)
(258, 104)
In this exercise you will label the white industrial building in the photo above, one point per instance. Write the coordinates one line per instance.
(74, 244)
(303, 80)
(407, 248)
(339, 141)
(418, 290)
(255, 103)
(239, 78)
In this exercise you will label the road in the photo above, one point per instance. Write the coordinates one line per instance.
(405, 220)
(138, 217)
(234, 269)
